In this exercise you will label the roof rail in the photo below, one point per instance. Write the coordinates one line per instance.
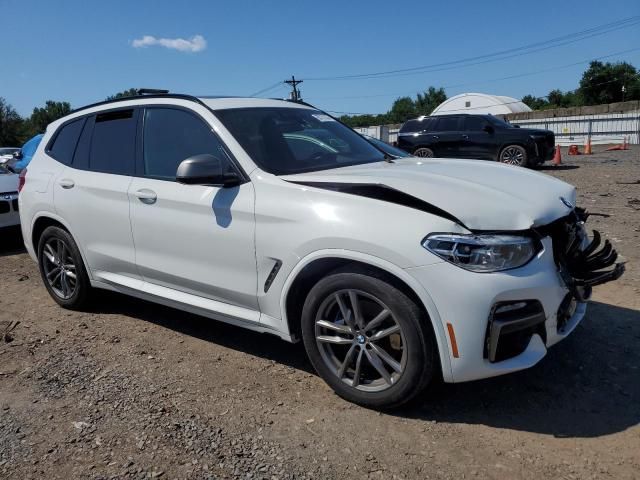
(141, 97)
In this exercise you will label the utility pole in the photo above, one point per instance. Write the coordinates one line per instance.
(295, 93)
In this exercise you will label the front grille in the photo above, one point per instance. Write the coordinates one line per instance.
(4, 207)
(580, 267)
(14, 203)
(511, 326)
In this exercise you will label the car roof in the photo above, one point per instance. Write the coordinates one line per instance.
(214, 102)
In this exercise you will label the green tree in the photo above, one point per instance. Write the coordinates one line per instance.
(132, 92)
(402, 110)
(427, 102)
(12, 126)
(603, 82)
(535, 103)
(41, 117)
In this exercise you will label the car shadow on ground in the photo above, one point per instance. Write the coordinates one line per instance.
(587, 386)
(557, 167)
(11, 241)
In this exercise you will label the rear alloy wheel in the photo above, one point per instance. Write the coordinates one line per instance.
(62, 269)
(514, 155)
(368, 340)
(423, 152)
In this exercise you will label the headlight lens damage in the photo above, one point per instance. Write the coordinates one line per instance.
(481, 253)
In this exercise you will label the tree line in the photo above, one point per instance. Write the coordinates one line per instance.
(15, 130)
(600, 83)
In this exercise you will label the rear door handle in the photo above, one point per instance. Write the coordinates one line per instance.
(146, 196)
(466, 137)
(66, 183)
(435, 136)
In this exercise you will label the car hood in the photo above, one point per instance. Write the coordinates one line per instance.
(8, 182)
(480, 195)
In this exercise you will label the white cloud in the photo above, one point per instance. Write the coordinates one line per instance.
(197, 43)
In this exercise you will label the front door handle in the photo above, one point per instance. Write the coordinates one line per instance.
(466, 137)
(66, 183)
(435, 136)
(146, 196)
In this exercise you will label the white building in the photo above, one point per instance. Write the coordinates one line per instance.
(480, 103)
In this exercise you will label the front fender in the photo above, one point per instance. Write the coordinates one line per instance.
(411, 282)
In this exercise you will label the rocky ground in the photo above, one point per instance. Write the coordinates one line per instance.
(134, 390)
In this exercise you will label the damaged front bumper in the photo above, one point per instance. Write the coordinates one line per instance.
(505, 321)
(582, 263)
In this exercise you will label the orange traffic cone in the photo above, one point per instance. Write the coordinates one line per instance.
(557, 157)
(587, 147)
(574, 150)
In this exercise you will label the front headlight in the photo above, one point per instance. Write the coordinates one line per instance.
(481, 253)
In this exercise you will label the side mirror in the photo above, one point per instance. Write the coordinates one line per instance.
(488, 129)
(206, 169)
(18, 155)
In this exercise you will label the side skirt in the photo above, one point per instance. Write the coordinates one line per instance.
(204, 307)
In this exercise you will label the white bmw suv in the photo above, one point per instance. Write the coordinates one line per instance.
(273, 216)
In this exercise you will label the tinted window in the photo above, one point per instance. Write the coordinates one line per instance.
(417, 125)
(292, 140)
(446, 124)
(475, 123)
(171, 136)
(66, 140)
(113, 142)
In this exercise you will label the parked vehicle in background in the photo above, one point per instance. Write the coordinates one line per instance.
(6, 153)
(9, 215)
(390, 150)
(23, 157)
(482, 137)
(274, 216)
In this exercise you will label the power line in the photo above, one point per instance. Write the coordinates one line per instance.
(537, 72)
(495, 56)
(264, 90)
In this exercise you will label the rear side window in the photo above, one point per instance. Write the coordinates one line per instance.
(113, 142)
(171, 136)
(64, 144)
(415, 126)
(475, 124)
(446, 124)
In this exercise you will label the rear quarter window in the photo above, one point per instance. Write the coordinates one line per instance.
(65, 141)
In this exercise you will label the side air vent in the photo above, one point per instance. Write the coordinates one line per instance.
(272, 275)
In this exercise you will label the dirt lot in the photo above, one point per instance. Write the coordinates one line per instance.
(135, 390)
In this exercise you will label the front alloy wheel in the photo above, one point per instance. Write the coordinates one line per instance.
(367, 339)
(360, 341)
(514, 155)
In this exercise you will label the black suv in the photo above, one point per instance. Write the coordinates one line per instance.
(483, 137)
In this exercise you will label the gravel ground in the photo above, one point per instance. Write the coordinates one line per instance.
(134, 390)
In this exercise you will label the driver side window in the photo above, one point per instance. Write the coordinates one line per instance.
(171, 136)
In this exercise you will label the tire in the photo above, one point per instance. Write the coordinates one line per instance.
(423, 152)
(58, 277)
(411, 346)
(514, 155)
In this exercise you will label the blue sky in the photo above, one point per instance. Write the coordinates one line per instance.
(83, 51)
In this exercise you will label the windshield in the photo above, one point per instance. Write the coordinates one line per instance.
(285, 141)
(386, 148)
